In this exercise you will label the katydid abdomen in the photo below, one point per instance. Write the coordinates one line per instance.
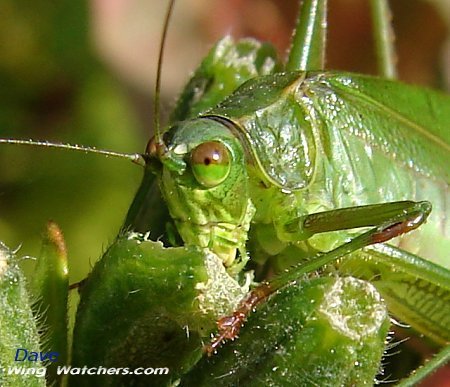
(323, 141)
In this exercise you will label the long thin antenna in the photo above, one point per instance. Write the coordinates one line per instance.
(156, 107)
(134, 157)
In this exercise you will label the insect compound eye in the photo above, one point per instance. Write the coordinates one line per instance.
(210, 163)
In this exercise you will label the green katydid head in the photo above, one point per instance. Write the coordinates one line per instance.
(203, 178)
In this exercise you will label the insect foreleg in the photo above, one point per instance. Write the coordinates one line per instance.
(406, 220)
(355, 217)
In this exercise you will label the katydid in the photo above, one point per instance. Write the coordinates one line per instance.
(292, 155)
(288, 168)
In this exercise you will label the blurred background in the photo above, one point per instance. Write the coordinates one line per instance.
(83, 72)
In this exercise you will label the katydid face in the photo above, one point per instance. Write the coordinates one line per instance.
(205, 184)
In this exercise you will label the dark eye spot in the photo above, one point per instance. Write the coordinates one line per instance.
(210, 163)
(210, 153)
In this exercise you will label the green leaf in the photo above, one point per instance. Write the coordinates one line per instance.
(17, 325)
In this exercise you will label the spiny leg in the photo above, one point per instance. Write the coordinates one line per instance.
(305, 227)
(309, 41)
(405, 218)
(384, 39)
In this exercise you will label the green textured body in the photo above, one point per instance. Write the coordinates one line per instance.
(303, 143)
(333, 140)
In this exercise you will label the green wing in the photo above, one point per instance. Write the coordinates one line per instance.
(409, 123)
(280, 118)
